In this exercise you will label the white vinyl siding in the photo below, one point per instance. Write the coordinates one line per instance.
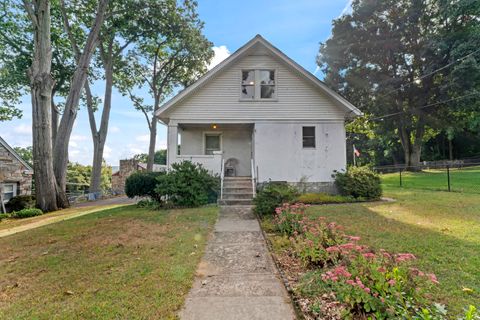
(220, 98)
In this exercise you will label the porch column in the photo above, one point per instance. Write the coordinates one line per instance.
(172, 144)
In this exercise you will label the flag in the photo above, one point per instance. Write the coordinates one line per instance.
(356, 152)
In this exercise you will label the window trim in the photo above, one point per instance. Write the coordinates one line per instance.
(258, 86)
(14, 189)
(211, 133)
(314, 137)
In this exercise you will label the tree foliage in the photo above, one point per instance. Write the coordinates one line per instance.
(378, 57)
(169, 57)
(160, 157)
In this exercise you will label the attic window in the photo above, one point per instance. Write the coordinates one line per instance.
(258, 85)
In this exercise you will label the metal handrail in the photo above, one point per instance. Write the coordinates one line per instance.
(222, 175)
(253, 177)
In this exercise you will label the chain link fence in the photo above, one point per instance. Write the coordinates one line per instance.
(452, 176)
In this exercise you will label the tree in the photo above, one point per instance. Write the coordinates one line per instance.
(174, 55)
(16, 53)
(41, 83)
(384, 56)
(121, 30)
(25, 153)
(83, 58)
(78, 177)
(159, 158)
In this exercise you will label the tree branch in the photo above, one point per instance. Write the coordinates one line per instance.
(31, 12)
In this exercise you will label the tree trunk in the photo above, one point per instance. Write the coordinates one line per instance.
(60, 159)
(450, 149)
(54, 120)
(153, 140)
(100, 136)
(41, 83)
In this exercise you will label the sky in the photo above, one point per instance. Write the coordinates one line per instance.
(295, 27)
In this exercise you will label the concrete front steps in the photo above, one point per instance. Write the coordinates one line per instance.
(237, 191)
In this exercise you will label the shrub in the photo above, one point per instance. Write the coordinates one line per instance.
(27, 213)
(142, 184)
(323, 198)
(187, 185)
(289, 218)
(383, 285)
(4, 216)
(359, 182)
(273, 195)
(18, 203)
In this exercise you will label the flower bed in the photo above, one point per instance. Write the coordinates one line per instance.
(333, 276)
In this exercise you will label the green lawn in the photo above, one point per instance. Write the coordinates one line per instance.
(442, 229)
(121, 263)
(461, 180)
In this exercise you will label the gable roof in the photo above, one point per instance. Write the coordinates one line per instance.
(15, 154)
(258, 39)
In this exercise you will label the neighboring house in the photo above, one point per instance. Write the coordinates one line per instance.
(259, 114)
(126, 168)
(15, 173)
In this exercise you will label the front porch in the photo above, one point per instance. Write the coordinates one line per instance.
(213, 145)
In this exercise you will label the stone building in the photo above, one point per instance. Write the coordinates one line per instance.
(15, 173)
(127, 167)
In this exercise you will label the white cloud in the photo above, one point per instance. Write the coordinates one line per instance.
(107, 152)
(114, 129)
(220, 54)
(143, 138)
(23, 129)
(78, 137)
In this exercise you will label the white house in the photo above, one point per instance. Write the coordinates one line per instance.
(259, 114)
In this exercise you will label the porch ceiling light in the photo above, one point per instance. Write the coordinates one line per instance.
(214, 126)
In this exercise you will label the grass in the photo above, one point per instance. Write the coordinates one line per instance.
(441, 228)
(120, 263)
(12, 223)
(461, 180)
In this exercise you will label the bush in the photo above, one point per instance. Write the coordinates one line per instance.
(359, 182)
(142, 184)
(273, 195)
(323, 198)
(289, 218)
(18, 203)
(187, 185)
(4, 216)
(27, 213)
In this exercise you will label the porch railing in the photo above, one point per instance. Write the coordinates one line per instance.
(254, 184)
(222, 175)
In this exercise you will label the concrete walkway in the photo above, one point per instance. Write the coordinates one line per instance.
(237, 278)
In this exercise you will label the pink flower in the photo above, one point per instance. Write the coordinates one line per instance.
(369, 255)
(367, 290)
(350, 282)
(402, 257)
(433, 278)
(332, 249)
(381, 269)
(392, 282)
(381, 299)
(354, 238)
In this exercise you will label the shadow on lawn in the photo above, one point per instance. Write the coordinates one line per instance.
(455, 261)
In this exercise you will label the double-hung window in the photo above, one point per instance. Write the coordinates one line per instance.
(9, 191)
(258, 84)
(308, 134)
